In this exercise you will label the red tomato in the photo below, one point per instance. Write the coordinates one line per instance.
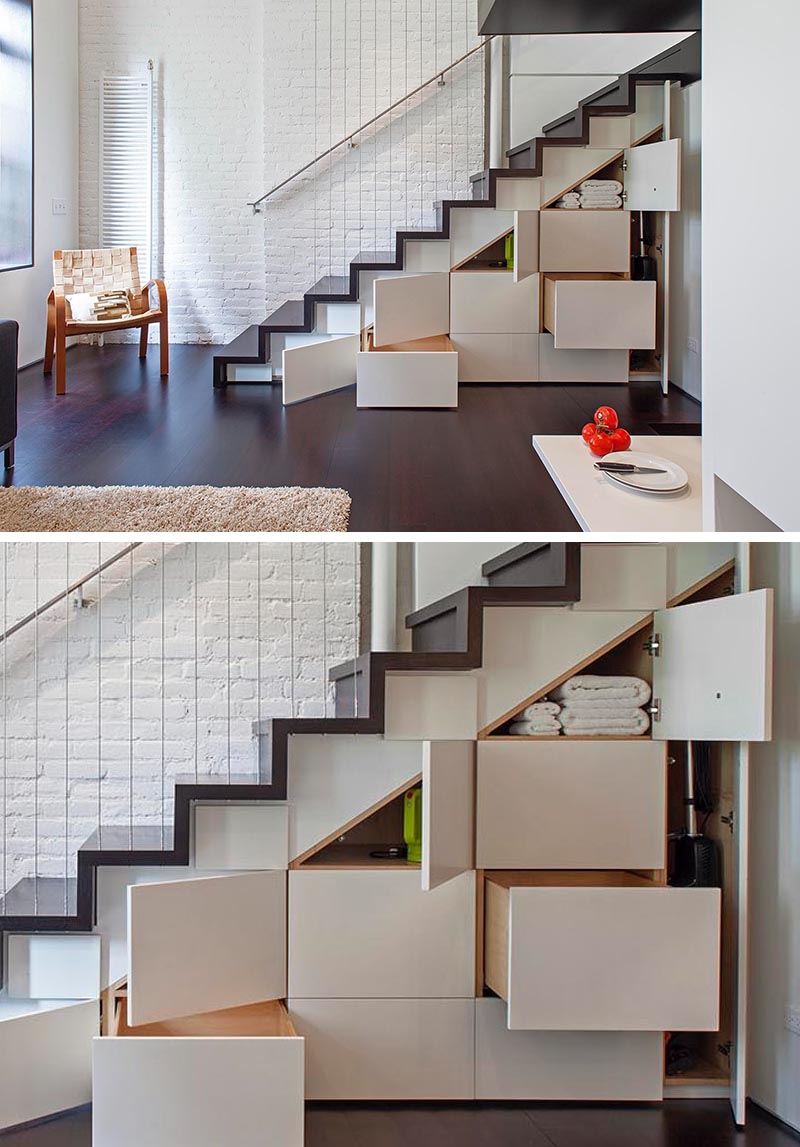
(606, 416)
(621, 439)
(601, 444)
(588, 431)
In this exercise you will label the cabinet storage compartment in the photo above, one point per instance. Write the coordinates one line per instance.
(373, 933)
(600, 313)
(233, 1077)
(563, 1065)
(585, 241)
(491, 302)
(403, 1049)
(581, 365)
(497, 358)
(563, 804)
(422, 372)
(602, 951)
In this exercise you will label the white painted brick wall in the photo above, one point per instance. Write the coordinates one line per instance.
(66, 716)
(247, 93)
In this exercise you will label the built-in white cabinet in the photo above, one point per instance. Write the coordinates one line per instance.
(431, 707)
(571, 804)
(421, 373)
(585, 241)
(401, 1049)
(247, 836)
(491, 302)
(472, 230)
(653, 176)
(411, 307)
(233, 1077)
(53, 967)
(318, 366)
(201, 945)
(563, 1065)
(600, 313)
(602, 952)
(497, 358)
(357, 933)
(448, 811)
(581, 365)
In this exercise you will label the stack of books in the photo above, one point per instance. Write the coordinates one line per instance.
(111, 305)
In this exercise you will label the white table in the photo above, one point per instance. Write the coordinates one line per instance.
(600, 504)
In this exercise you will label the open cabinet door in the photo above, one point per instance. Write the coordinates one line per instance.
(448, 811)
(411, 307)
(653, 177)
(319, 367)
(205, 945)
(712, 672)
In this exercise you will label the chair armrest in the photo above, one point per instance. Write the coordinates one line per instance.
(161, 291)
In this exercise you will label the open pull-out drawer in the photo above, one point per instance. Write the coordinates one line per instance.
(418, 372)
(600, 312)
(233, 1077)
(602, 951)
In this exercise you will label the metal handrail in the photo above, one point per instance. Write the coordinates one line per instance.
(438, 78)
(15, 628)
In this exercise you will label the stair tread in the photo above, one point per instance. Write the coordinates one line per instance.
(370, 257)
(331, 285)
(130, 838)
(41, 896)
(289, 316)
(245, 344)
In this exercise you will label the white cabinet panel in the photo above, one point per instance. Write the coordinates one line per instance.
(202, 945)
(411, 307)
(602, 314)
(358, 933)
(407, 378)
(319, 367)
(713, 675)
(448, 811)
(653, 178)
(473, 229)
(490, 302)
(519, 194)
(623, 576)
(423, 255)
(387, 1049)
(46, 1056)
(582, 804)
(614, 959)
(497, 358)
(610, 131)
(563, 1065)
(526, 244)
(586, 241)
(197, 1092)
(48, 967)
(432, 707)
(581, 365)
(241, 836)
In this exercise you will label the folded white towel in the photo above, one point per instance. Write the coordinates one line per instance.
(593, 687)
(572, 715)
(539, 709)
(588, 202)
(610, 707)
(612, 186)
(609, 728)
(569, 204)
(544, 727)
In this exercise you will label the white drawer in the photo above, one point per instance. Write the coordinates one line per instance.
(571, 804)
(581, 365)
(497, 358)
(600, 313)
(232, 1077)
(585, 241)
(387, 1049)
(598, 951)
(491, 302)
(563, 1065)
(420, 373)
(359, 933)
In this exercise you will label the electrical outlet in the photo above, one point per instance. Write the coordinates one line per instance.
(693, 346)
(791, 1020)
(59, 206)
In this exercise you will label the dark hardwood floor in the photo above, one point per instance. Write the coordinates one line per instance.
(677, 1123)
(406, 470)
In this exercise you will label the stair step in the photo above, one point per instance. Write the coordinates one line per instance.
(130, 838)
(41, 896)
(290, 316)
(335, 286)
(373, 259)
(244, 345)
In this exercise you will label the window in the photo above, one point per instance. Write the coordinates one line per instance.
(16, 134)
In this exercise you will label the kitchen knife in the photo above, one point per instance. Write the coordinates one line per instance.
(627, 468)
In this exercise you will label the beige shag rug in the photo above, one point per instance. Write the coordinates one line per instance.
(172, 509)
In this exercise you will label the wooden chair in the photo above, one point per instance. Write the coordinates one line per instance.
(115, 269)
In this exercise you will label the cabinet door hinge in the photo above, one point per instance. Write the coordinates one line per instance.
(654, 709)
(730, 820)
(653, 645)
(725, 1049)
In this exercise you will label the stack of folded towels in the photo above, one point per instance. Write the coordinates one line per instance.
(538, 720)
(603, 706)
(605, 194)
(570, 202)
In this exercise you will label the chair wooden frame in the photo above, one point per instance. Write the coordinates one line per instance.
(93, 271)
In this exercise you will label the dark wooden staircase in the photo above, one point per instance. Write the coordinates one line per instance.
(447, 635)
(252, 347)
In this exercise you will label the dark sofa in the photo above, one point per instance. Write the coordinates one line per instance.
(9, 339)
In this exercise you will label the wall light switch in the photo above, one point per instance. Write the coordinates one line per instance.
(59, 206)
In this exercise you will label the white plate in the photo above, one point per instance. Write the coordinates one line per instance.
(670, 482)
